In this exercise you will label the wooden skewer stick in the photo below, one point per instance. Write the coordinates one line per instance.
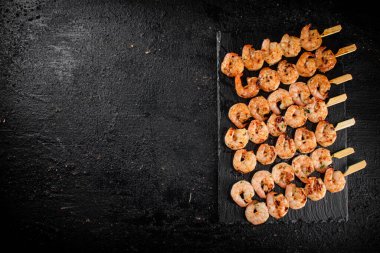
(355, 167)
(346, 50)
(336, 100)
(344, 124)
(331, 30)
(343, 153)
(341, 79)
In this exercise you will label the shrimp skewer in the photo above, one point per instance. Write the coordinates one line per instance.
(318, 110)
(335, 180)
(319, 85)
(322, 157)
(326, 60)
(311, 39)
(325, 132)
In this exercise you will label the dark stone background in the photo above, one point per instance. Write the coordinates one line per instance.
(108, 133)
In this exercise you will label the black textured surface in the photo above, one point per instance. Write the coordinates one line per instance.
(108, 133)
(333, 207)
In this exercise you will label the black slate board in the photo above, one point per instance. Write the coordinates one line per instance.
(334, 207)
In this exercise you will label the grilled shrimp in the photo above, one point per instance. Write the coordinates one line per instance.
(326, 60)
(321, 159)
(266, 154)
(334, 180)
(316, 110)
(242, 188)
(285, 147)
(253, 59)
(310, 39)
(259, 107)
(232, 65)
(236, 138)
(319, 86)
(276, 125)
(325, 133)
(282, 174)
(315, 189)
(300, 93)
(305, 140)
(277, 204)
(258, 131)
(239, 114)
(257, 212)
(272, 51)
(248, 91)
(262, 182)
(287, 71)
(303, 166)
(277, 96)
(269, 80)
(296, 196)
(290, 45)
(244, 161)
(306, 65)
(295, 116)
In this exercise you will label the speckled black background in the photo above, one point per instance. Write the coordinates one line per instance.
(108, 133)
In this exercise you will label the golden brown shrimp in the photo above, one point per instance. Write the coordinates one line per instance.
(300, 93)
(326, 60)
(306, 65)
(250, 90)
(276, 125)
(310, 39)
(321, 159)
(269, 80)
(305, 140)
(303, 166)
(288, 72)
(325, 133)
(319, 86)
(259, 107)
(242, 188)
(272, 51)
(232, 65)
(315, 189)
(244, 161)
(334, 180)
(295, 116)
(258, 131)
(282, 174)
(266, 154)
(239, 114)
(277, 96)
(236, 138)
(290, 45)
(285, 147)
(253, 59)
(296, 196)
(257, 212)
(316, 110)
(278, 205)
(262, 182)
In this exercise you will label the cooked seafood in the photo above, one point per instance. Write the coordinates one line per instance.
(306, 65)
(269, 80)
(244, 161)
(296, 196)
(242, 188)
(305, 140)
(266, 154)
(300, 93)
(285, 147)
(259, 108)
(290, 45)
(257, 212)
(248, 91)
(310, 39)
(253, 59)
(279, 96)
(288, 72)
(315, 189)
(295, 116)
(236, 138)
(276, 125)
(283, 174)
(277, 204)
(258, 131)
(232, 65)
(272, 51)
(239, 114)
(262, 182)
(303, 166)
